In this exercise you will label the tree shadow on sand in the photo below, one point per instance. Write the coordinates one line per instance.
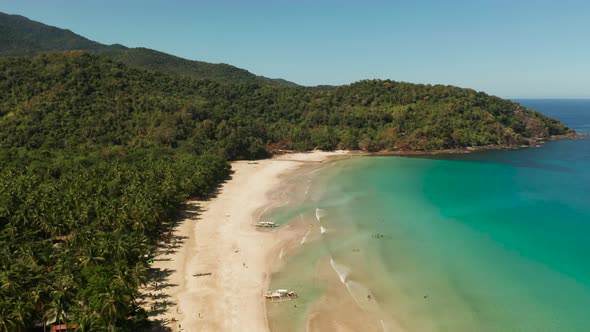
(160, 325)
(153, 297)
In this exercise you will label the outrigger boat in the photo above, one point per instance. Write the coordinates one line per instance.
(280, 295)
(268, 224)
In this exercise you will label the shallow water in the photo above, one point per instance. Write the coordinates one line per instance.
(492, 241)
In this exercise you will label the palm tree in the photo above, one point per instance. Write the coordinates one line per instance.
(20, 314)
(139, 274)
(113, 306)
(90, 256)
(7, 323)
(89, 323)
(118, 247)
(8, 282)
(55, 309)
(61, 297)
(11, 230)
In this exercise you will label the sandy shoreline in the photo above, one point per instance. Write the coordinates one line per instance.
(221, 242)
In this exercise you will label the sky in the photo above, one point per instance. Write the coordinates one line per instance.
(513, 49)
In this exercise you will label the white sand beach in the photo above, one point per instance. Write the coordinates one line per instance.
(222, 243)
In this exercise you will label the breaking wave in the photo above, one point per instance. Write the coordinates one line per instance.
(304, 239)
(319, 214)
(341, 270)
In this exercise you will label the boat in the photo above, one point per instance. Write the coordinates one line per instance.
(269, 224)
(280, 295)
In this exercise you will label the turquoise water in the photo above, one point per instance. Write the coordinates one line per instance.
(492, 241)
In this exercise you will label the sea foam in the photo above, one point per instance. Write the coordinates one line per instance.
(304, 239)
(341, 270)
(319, 214)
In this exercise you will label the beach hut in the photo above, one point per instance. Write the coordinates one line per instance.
(63, 327)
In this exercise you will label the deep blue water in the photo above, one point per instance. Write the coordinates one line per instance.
(575, 113)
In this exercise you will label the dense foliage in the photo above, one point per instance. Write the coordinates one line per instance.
(75, 230)
(96, 156)
(21, 36)
(144, 58)
(77, 100)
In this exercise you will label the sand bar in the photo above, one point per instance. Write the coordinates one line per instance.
(216, 266)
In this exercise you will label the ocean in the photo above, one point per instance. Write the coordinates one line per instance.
(487, 241)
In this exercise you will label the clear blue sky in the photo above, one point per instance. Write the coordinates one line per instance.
(516, 48)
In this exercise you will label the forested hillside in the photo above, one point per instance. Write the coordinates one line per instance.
(96, 157)
(77, 100)
(22, 36)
